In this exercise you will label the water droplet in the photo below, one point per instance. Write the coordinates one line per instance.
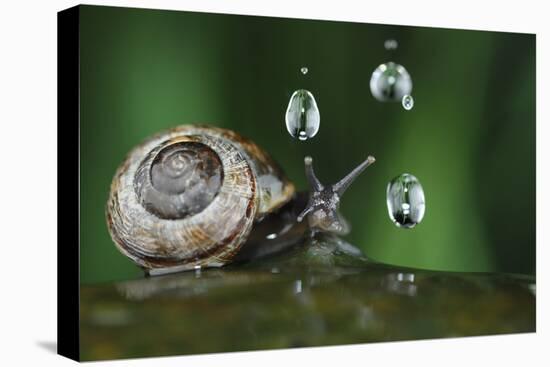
(405, 277)
(401, 283)
(407, 102)
(405, 199)
(304, 70)
(390, 44)
(298, 286)
(302, 115)
(390, 82)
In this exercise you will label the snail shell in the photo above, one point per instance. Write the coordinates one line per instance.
(189, 197)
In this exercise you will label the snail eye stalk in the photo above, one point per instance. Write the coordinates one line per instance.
(322, 208)
(310, 175)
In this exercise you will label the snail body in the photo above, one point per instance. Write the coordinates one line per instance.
(189, 197)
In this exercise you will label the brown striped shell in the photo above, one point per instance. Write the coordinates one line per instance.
(189, 197)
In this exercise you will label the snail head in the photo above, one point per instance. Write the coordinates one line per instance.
(322, 208)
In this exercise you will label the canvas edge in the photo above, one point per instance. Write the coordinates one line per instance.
(68, 183)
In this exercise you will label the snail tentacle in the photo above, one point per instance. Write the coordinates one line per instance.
(341, 186)
(314, 182)
(305, 212)
(322, 209)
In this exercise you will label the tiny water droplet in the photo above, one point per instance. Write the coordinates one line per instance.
(302, 115)
(401, 283)
(405, 199)
(390, 82)
(304, 70)
(407, 102)
(390, 44)
(298, 286)
(197, 271)
(405, 277)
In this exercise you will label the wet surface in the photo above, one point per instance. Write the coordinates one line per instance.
(323, 292)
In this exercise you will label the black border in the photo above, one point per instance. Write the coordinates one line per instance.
(68, 182)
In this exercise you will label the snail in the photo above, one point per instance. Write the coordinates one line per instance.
(201, 196)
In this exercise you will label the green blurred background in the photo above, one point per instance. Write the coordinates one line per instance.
(470, 138)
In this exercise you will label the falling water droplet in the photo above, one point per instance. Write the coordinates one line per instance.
(405, 199)
(390, 44)
(390, 82)
(407, 102)
(302, 115)
(304, 70)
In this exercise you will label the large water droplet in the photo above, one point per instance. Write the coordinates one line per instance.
(390, 82)
(304, 70)
(405, 199)
(390, 44)
(302, 115)
(407, 102)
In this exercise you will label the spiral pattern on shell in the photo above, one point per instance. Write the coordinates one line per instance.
(190, 196)
(178, 179)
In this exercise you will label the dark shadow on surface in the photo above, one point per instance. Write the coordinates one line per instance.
(50, 346)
